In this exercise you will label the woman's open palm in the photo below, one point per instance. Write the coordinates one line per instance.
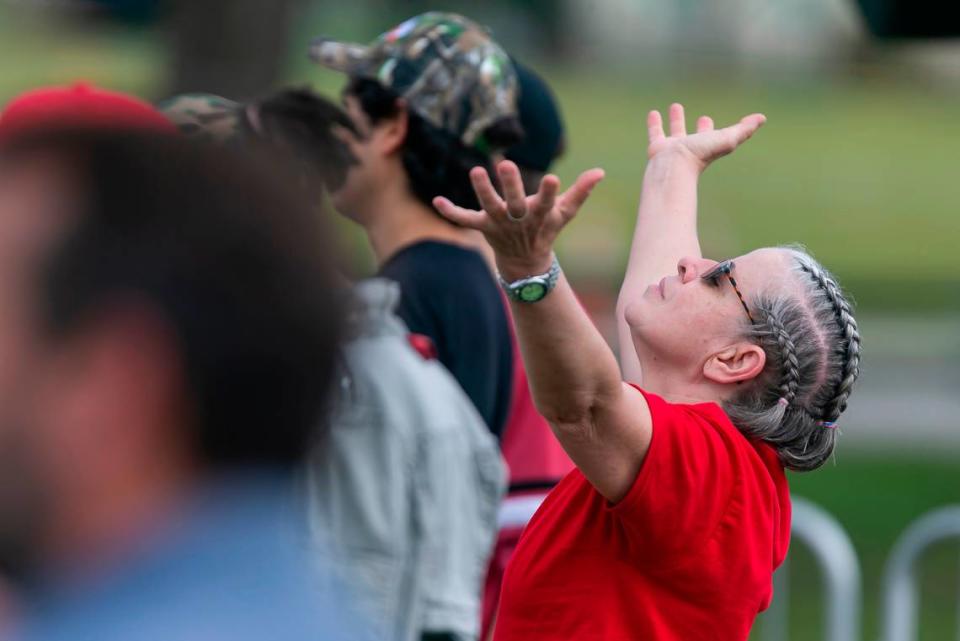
(704, 146)
(521, 229)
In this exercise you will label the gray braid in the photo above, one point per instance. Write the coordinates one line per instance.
(848, 326)
(812, 345)
(788, 353)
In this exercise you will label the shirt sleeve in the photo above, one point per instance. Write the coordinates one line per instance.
(687, 480)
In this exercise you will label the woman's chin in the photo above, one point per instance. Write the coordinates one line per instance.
(638, 315)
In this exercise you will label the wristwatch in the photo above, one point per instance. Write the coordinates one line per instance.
(532, 288)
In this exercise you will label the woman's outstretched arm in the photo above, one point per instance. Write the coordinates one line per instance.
(666, 228)
(602, 423)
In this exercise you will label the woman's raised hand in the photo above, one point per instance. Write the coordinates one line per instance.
(520, 228)
(702, 147)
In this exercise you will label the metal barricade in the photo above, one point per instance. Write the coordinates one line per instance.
(837, 558)
(900, 587)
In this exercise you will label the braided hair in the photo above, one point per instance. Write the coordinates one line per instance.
(812, 345)
(850, 345)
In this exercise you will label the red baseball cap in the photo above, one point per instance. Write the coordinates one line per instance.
(79, 105)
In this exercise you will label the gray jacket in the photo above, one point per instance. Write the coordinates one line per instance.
(407, 482)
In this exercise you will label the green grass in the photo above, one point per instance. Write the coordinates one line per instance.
(859, 173)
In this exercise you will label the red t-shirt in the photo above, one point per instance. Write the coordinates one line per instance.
(688, 554)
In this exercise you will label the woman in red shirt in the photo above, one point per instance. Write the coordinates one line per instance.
(679, 511)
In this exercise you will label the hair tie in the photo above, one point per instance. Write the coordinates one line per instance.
(783, 401)
(827, 424)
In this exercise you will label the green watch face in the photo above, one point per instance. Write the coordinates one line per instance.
(532, 292)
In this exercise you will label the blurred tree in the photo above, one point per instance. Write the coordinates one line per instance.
(911, 18)
(127, 11)
(234, 48)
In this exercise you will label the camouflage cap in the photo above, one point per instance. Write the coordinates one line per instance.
(446, 67)
(205, 116)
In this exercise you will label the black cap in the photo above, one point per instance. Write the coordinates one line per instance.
(541, 121)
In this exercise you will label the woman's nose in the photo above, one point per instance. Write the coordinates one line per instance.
(687, 269)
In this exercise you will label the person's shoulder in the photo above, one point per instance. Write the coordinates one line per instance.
(168, 597)
(705, 429)
(701, 431)
(436, 261)
(408, 386)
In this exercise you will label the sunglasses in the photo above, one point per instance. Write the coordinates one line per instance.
(724, 269)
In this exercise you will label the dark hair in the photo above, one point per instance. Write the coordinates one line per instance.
(304, 123)
(231, 258)
(437, 162)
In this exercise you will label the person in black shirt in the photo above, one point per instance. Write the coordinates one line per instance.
(430, 100)
(448, 295)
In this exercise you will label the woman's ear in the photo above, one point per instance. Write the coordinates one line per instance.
(740, 362)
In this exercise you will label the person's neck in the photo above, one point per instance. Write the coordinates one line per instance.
(676, 386)
(401, 220)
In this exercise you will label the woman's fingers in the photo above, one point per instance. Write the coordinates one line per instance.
(654, 126)
(546, 196)
(572, 200)
(468, 218)
(747, 126)
(678, 125)
(512, 185)
(752, 122)
(489, 198)
(704, 123)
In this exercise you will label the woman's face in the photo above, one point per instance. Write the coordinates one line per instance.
(682, 320)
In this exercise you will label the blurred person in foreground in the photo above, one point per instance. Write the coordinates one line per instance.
(79, 104)
(432, 98)
(168, 344)
(679, 512)
(406, 480)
